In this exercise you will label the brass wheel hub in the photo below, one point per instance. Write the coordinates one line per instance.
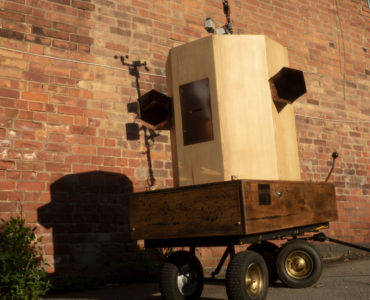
(254, 280)
(298, 264)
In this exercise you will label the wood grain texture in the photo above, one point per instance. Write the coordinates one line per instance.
(300, 204)
(210, 210)
(229, 209)
(251, 138)
(202, 162)
(288, 167)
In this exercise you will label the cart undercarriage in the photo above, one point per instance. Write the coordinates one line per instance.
(233, 213)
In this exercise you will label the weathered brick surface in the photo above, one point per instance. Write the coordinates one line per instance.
(64, 96)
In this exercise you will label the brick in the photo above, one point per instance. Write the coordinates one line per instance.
(38, 40)
(82, 75)
(40, 97)
(28, 145)
(50, 33)
(8, 207)
(30, 186)
(57, 167)
(82, 168)
(117, 47)
(70, 110)
(83, 130)
(109, 152)
(58, 71)
(11, 34)
(84, 48)
(57, 147)
(87, 150)
(119, 31)
(36, 77)
(38, 21)
(83, 5)
(18, 7)
(109, 142)
(63, 2)
(64, 45)
(27, 125)
(12, 16)
(6, 164)
(82, 159)
(9, 93)
(134, 163)
(109, 161)
(82, 56)
(142, 36)
(7, 185)
(82, 39)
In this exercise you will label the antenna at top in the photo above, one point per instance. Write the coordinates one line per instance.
(209, 25)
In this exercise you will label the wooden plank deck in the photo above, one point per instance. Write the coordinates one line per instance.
(232, 208)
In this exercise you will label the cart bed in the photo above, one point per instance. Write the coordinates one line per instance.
(232, 208)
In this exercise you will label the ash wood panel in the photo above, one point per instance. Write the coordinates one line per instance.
(284, 120)
(211, 210)
(203, 162)
(251, 138)
(244, 102)
(300, 204)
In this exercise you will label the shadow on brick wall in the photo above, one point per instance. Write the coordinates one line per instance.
(88, 214)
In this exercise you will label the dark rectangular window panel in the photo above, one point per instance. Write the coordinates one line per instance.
(264, 195)
(196, 112)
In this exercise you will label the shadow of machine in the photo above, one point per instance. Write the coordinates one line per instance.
(88, 215)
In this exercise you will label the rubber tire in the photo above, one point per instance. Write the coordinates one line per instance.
(307, 249)
(169, 275)
(269, 252)
(236, 274)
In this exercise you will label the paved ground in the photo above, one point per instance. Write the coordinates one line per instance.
(349, 280)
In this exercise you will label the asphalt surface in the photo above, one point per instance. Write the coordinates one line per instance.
(341, 280)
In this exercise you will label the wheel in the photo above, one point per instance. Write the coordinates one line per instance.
(181, 277)
(298, 264)
(269, 252)
(247, 277)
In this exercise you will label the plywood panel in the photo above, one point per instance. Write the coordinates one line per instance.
(251, 138)
(245, 106)
(283, 118)
(202, 162)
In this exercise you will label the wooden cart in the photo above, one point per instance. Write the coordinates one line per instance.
(235, 213)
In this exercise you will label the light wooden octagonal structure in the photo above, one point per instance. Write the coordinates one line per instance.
(226, 124)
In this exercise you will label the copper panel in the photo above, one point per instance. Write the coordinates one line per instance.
(196, 112)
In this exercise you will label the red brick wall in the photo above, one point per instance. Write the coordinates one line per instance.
(63, 102)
